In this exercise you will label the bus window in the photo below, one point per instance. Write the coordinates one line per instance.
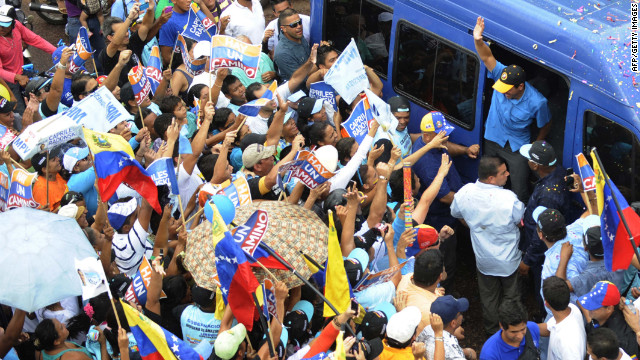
(436, 74)
(342, 20)
(618, 150)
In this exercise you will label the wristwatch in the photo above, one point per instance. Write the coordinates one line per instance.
(60, 66)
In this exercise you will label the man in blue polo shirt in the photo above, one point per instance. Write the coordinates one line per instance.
(517, 337)
(514, 106)
(427, 168)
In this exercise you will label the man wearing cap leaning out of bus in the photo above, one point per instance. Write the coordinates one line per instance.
(78, 162)
(514, 106)
(450, 311)
(402, 330)
(601, 311)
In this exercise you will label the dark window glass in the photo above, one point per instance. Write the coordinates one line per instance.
(344, 18)
(436, 74)
(618, 150)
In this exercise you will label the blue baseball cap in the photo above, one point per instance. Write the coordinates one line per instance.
(73, 155)
(304, 306)
(435, 122)
(448, 307)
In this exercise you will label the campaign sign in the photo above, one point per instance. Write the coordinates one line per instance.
(137, 291)
(238, 192)
(227, 52)
(380, 277)
(163, 173)
(308, 169)
(198, 27)
(357, 125)
(193, 67)
(83, 50)
(6, 137)
(20, 194)
(347, 75)
(250, 234)
(269, 293)
(154, 69)
(139, 83)
(4, 190)
(324, 91)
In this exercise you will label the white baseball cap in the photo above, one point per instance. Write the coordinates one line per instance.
(402, 325)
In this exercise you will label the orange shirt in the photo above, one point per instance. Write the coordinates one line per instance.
(56, 190)
(389, 353)
(408, 294)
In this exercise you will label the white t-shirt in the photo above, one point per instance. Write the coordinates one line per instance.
(187, 185)
(258, 124)
(131, 248)
(245, 22)
(568, 338)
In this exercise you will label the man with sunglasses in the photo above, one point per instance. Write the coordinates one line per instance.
(293, 49)
(272, 31)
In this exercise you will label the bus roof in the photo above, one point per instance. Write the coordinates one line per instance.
(589, 42)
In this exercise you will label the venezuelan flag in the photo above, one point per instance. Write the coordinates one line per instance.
(115, 163)
(336, 289)
(618, 250)
(252, 108)
(154, 342)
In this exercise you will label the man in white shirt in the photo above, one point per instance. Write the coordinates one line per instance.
(246, 18)
(493, 215)
(602, 344)
(568, 337)
(278, 6)
(130, 241)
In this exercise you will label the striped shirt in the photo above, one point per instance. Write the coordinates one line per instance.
(131, 248)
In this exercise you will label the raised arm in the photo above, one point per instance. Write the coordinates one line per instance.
(198, 142)
(301, 73)
(435, 143)
(275, 130)
(118, 38)
(421, 210)
(483, 50)
(57, 84)
(219, 170)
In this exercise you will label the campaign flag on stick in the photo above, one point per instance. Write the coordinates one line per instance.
(139, 83)
(4, 191)
(92, 277)
(616, 241)
(347, 75)
(357, 125)
(20, 194)
(227, 52)
(115, 163)
(137, 291)
(163, 173)
(250, 234)
(308, 169)
(184, 146)
(83, 50)
(194, 67)
(324, 91)
(586, 173)
(198, 27)
(154, 69)
(252, 108)
(6, 137)
(154, 342)
(269, 295)
(237, 281)
(408, 195)
(337, 289)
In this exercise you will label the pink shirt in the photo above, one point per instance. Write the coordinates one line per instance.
(11, 60)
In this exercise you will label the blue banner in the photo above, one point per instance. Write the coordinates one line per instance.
(322, 90)
(357, 125)
(163, 173)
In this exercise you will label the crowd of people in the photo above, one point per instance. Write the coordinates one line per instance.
(545, 234)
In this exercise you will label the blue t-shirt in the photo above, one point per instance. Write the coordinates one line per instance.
(496, 349)
(84, 183)
(509, 119)
(198, 326)
(169, 31)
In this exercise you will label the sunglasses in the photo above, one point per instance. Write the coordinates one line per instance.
(91, 91)
(295, 24)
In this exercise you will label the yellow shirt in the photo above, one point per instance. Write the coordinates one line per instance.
(408, 294)
(389, 353)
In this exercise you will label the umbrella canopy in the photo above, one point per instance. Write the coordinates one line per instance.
(37, 258)
(291, 229)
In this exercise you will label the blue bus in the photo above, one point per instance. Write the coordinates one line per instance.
(577, 54)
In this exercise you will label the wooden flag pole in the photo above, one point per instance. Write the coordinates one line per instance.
(47, 178)
(18, 164)
(191, 218)
(179, 197)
